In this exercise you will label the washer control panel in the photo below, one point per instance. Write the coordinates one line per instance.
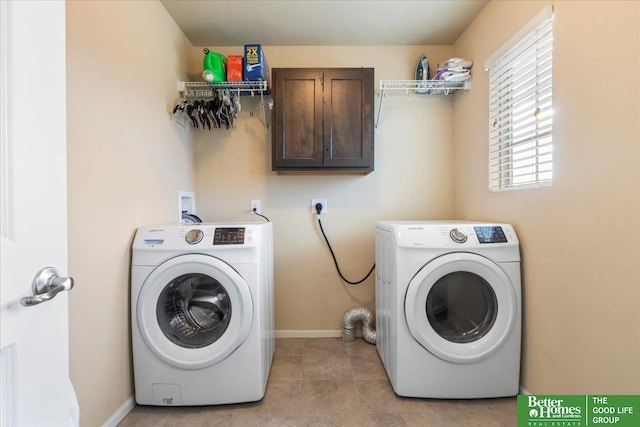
(194, 236)
(221, 236)
(229, 236)
(213, 236)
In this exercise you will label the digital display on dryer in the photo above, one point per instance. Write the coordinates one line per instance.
(228, 236)
(490, 234)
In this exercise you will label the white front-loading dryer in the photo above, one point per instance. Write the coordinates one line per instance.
(202, 313)
(448, 308)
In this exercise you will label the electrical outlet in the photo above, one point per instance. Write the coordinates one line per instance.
(255, 204)
(323, 202)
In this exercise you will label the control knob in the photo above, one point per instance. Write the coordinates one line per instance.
(194, 236)
(458, 235)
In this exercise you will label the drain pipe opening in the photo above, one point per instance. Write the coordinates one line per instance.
(353, 316)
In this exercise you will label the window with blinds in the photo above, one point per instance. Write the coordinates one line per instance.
(520, 109)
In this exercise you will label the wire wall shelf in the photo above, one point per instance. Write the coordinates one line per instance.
(418, 88)
(422, 87)
(195, 91)
(206, 89)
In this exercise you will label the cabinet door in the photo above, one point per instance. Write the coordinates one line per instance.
(323, 119)
(348, 118)
(297, 140)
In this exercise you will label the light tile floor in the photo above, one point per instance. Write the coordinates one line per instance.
(327, 382)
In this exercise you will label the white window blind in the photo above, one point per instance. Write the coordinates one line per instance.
(520, 109)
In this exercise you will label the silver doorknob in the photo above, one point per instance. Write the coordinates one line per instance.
(46, 285)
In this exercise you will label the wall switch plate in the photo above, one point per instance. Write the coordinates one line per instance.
(316, 201)
(255, 204)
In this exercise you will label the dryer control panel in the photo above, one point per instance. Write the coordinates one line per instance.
(459, 235)
(490, 234)
(484, 233)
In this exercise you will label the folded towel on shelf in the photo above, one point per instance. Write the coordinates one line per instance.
(456, 63)
(451, 74)
(452, 70)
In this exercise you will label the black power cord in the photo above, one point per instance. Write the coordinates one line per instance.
(335, 261)
(255, 212)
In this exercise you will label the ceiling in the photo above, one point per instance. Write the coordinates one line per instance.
(323, 22)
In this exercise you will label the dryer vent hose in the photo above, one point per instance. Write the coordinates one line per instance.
(354, 316)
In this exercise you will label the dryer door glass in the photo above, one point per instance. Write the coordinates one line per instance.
(461, 307)
(193, 310)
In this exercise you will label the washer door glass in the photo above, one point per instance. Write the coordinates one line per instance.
(461, 307)
(194, 310)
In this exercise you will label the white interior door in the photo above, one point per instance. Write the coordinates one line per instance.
(34, 338)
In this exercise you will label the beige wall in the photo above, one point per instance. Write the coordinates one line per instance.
(580, 237)
(126, 164)
(412, 180)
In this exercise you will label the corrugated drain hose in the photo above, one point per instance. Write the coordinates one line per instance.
(354, 316)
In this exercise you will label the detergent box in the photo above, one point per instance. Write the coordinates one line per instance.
(255, 63)
(234, 68)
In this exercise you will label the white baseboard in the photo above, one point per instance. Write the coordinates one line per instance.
(309, 334)
(122, 412)
(524, 390)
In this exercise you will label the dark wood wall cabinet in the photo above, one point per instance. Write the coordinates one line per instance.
(323, 120)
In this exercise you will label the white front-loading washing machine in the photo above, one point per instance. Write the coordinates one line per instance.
(448, 308)
(202, 313)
